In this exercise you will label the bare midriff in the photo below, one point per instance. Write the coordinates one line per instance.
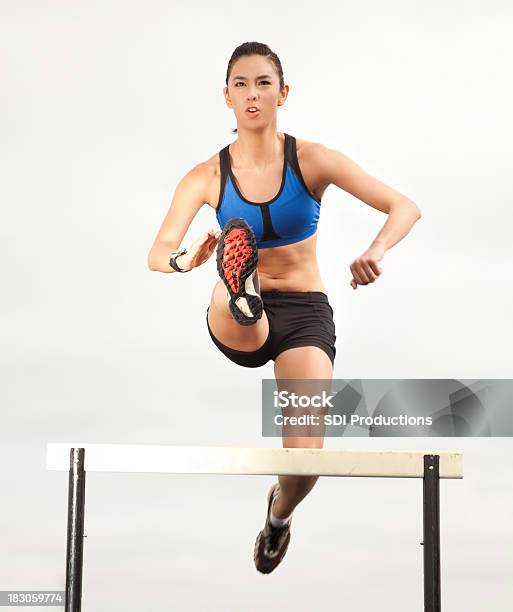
(292, 267)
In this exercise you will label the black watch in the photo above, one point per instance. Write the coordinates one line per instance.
(172, 261)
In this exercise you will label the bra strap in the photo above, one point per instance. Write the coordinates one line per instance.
(224, 161)
(288, 147)
(291, 153)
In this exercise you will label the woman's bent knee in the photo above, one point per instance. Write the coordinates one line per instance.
(226, 329)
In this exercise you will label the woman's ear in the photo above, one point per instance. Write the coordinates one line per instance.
(226, 96)
(284, 92)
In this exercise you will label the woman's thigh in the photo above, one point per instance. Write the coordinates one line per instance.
(305, 370)
(304, 362)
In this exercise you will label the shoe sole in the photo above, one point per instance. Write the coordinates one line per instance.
(235, 272)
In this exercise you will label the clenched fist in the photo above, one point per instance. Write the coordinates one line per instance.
(365, 268)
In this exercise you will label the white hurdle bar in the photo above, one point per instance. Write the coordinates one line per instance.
(79, 458)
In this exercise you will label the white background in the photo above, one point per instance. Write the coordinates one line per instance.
(105, 106)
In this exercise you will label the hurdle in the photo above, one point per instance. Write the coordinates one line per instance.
(79, 458)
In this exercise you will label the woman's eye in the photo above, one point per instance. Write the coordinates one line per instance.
(241, 83)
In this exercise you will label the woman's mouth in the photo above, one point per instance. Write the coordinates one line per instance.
(253, 111)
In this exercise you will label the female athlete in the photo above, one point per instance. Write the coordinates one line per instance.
(270, 302)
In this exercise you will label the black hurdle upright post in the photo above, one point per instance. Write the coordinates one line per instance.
(431, 502)
(75, 534)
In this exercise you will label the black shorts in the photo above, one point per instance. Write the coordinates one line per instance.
(296, 318)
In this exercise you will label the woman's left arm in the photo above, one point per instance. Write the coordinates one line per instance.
(336, 168)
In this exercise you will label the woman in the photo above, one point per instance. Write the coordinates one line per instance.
(270, 302)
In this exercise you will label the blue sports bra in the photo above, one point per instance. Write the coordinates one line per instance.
(290, 216)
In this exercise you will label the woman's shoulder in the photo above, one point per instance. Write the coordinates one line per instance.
(209, 172)
(206, 170)
(310, 156)
(200, 178)
(307, 149)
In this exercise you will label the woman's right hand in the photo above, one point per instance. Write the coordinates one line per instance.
(199, 251)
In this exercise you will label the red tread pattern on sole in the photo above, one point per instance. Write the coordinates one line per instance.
(236, 253)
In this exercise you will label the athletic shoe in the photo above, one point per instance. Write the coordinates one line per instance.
(237, 258)
(272, 542)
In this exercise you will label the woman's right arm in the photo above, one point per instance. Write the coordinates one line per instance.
(189, 197)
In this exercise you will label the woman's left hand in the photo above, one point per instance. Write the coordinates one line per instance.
(365, 268)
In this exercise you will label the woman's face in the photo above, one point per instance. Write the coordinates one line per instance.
(253, 81)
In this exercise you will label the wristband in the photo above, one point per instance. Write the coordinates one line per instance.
(172, 261)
